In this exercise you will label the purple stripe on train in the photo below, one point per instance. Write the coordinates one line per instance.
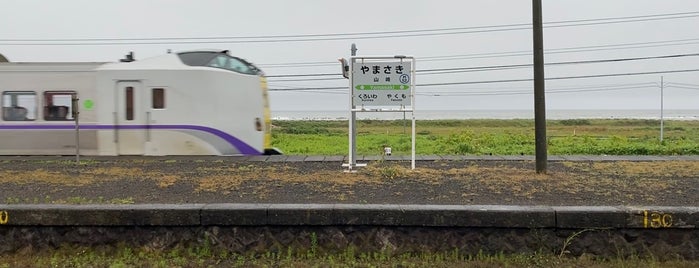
(242, 147)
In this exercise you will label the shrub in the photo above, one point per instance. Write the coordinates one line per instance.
(575, 122)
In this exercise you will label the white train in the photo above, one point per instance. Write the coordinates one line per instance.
(201, 102)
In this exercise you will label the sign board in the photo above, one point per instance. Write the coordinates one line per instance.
(387, 84)
(381, 83)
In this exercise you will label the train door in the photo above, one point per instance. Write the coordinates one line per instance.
(131, 118)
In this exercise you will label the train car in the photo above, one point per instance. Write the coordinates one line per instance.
(202, 102)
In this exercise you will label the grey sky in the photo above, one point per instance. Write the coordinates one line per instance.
(72, 19)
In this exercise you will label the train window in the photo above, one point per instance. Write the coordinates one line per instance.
(158, 98)
(218, 60)
(239, 66)
(197, 58)
(58, 105)
(19, 106)
(129, 103)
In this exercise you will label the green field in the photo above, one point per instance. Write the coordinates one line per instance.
(484, 136)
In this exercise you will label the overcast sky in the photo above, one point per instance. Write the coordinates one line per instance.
(576, 30)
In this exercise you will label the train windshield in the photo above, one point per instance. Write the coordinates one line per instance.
(219, 60)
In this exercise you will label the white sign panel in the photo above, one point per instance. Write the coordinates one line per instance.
(381, 83)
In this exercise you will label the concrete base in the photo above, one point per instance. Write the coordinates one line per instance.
(664, 232)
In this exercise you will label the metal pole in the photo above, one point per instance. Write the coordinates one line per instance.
(539, 88)
(353, 118)
(76, 116)
(412, 112)
(662, 123)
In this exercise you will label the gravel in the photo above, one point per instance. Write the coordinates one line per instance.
(126, 180)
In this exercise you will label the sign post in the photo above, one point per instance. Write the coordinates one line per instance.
(380, 84)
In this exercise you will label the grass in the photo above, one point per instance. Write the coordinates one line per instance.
(481, 136)
(205, 255)
(434, 137)
(75, 200)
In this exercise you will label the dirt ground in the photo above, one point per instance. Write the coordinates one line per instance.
(27, 180)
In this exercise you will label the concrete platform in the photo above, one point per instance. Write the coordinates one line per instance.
(568, 217)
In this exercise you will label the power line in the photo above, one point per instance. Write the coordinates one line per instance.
(682, 84)
(303, 75)
(307, 88)
(548, 91)
(587, 89)
(570, 49)
(565, 63)
(553, 24)
(515, 80)
(307, 79)
(338, 36)
(671, 85)
(563, 88)
(561, 78)
(649, 44)
(492, 67)
(512, 92)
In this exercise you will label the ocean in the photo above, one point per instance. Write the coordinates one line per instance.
(491, 114)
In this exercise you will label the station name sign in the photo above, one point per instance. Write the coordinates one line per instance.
(381, 83)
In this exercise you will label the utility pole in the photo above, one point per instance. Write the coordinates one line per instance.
(539, 88)
(662, 87)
